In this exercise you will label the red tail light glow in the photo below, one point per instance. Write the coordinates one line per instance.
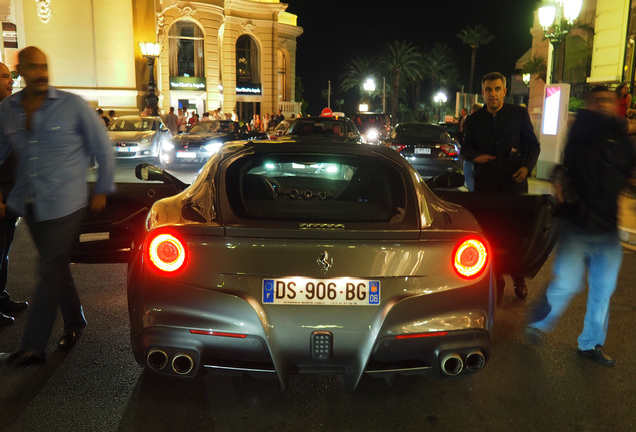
(167, 253)
(397, 147)
(421, 335)
(470, 258)
(449, 149)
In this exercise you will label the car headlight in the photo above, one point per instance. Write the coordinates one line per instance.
(373, 134)
(213, 147)
(145, 141)
(167, 145)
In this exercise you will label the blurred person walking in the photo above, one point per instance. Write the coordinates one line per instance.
(52, 133)
(171, 121)
(499, 139)
(599, 157)
(8, 220)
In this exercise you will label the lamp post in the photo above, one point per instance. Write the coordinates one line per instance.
(368, 86)
(440, 98)
(151, 51)
(557, 19)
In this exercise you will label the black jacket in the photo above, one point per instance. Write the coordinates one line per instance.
(510, 137)
(600, 157)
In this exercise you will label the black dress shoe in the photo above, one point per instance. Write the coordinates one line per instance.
(598, 355)
(68, 340)
(5, 320)
(9, 306)
(23, 357)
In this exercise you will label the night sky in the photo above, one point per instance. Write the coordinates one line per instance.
(338, 31)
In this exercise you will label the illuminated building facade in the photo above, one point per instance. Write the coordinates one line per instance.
(228, 54)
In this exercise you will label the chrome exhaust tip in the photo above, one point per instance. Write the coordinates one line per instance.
(157, 359)
(475, 361)
(452, 364)
(182, 364)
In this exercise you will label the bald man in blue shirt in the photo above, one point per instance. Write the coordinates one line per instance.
(53, 133)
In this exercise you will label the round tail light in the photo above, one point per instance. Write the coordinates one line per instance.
(167, 253)
(470, 258)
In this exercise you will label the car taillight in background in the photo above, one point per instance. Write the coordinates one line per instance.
(470, 258)
(397, 147)
(449, 149)
(166, 252)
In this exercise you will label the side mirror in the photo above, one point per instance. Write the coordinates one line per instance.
(148, 172)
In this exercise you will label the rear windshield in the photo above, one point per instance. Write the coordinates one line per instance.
(317, 188)
(324, 127)
(421, 131)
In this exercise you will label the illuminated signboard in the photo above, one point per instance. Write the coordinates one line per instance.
(187, 83)
(551, 110)
(249, 89)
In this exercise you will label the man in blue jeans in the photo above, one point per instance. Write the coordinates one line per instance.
(52, 133)
(599, 157)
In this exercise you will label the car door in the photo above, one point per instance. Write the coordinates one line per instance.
(108, 236)
(520, 228)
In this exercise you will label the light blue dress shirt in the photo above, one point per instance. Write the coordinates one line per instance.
(53, 156)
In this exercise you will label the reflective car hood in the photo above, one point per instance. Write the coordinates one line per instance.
(185, 139)
(130, 135)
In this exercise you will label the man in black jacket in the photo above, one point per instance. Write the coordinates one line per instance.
(500, 141)
(8, 306)
(599, 157)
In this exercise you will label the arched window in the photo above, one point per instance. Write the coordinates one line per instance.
(247, 60)
(186, 49)
(283, 89)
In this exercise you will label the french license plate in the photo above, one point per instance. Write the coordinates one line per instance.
(422, 150)
(186, 155)
(332, 292)
(127, 149)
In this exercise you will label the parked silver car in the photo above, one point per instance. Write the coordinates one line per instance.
(319, 257)
(138, 136)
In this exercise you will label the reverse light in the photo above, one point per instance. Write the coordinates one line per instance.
(470, 258)
(167, 253)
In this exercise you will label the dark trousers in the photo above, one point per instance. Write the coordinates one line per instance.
(55, 287)
(7, 231)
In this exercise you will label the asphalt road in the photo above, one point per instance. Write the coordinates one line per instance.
(98, 386)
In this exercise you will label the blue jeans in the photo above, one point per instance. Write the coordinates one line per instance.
(469, 169)
(601, 254)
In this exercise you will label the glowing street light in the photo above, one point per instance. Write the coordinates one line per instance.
(440, 98)
(151, 51)
(557, 19)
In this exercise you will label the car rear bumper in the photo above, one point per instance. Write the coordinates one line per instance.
(442, 334)
(428, 168)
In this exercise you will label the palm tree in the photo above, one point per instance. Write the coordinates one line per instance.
(356, 73)
(536, 65)
(439, 65)
(399, 59)
(474, 36)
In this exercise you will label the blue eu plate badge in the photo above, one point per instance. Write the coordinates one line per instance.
(268, 291)
(374, 292)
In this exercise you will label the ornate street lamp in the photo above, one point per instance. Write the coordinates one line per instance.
(151, 51)
(440, 98)
(557, 19)
(369, 86)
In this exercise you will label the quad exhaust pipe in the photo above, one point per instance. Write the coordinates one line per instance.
(452, 364)
(181, 364)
